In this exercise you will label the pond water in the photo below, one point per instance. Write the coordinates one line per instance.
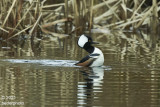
(42, 73)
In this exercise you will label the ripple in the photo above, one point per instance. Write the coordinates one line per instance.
(45, 62)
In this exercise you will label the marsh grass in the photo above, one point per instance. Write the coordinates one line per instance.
(30, 17)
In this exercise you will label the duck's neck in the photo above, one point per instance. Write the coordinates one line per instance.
(89, 48)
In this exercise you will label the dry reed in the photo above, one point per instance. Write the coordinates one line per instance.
(32, 16)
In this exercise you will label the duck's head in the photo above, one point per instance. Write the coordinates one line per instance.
(86, 42)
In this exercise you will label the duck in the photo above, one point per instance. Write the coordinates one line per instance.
(95, 57)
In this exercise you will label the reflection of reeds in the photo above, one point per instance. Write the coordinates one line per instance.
(30, 16)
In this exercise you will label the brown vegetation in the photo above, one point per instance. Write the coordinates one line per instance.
(64, 17)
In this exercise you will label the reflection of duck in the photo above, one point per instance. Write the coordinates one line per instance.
(95, 58)
(96, 75)
(88, 90)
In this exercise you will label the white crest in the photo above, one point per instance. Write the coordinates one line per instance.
(82, 40)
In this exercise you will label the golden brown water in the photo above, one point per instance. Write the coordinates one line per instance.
(43, 75)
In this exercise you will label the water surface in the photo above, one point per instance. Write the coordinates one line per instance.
(44, 74)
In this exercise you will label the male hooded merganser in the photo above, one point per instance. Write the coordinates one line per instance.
(95, 58)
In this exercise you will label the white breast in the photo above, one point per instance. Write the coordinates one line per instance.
(99, 60)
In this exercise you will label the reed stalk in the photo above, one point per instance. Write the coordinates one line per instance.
(36, 23)
(9, 12)
(53, 5)
(144, 17)
(91, 15)
(4, 30)
(66, 16)
(22, 31)
(23, 17)
(81, 15)
(154, 19)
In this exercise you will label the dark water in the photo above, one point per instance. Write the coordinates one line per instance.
(42, 74)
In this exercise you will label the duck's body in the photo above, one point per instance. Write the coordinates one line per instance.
(95, 58)
(99, 59)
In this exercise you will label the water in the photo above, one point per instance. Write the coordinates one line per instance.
(44, 75)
